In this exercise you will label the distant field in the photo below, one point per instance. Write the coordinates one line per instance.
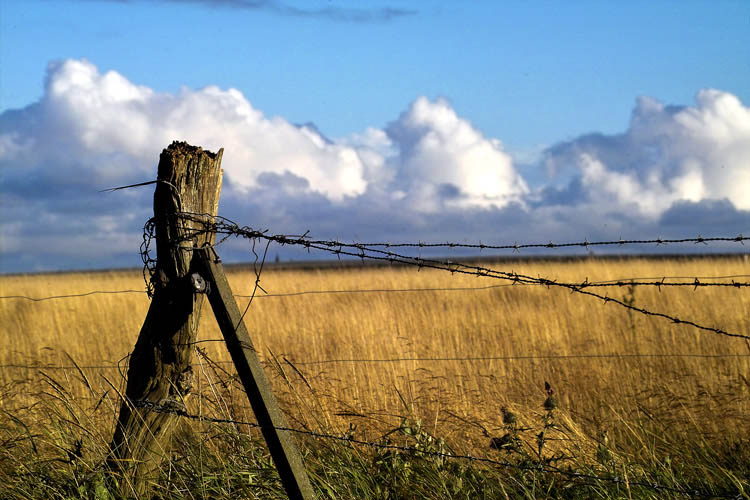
(370, 346)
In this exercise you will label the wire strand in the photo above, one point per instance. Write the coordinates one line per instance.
(520, 357)
(222, 225)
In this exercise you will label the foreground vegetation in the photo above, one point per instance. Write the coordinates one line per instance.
(655, 410)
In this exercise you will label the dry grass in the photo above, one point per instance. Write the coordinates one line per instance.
(659, 392)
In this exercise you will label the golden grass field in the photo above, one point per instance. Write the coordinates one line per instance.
(532, 328)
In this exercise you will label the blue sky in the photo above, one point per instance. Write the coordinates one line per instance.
(532, 105)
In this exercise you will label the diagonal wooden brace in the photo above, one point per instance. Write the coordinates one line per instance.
(272, 423)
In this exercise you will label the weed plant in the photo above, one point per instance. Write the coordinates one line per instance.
(65, 459)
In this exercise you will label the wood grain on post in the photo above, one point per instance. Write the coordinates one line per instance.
(160, 371)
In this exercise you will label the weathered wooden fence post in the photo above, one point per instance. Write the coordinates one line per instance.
(160, 371)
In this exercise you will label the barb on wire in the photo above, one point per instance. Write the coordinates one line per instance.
(178, 409)
(221, 225)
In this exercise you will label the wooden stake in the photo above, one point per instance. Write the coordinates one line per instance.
(160, 372)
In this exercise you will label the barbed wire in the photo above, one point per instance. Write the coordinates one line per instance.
(222, 225)
(619, 282)
(518, 278)
(228, 227)
(584, 244)
(584, 284)
(176, 408)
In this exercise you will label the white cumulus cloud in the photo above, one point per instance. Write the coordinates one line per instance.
(104, 128)
(443, 161)
(668, 154)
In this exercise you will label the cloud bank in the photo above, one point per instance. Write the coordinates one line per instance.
(668, 154)
(429, 174)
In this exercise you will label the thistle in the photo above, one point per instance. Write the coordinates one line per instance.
(551, 402)
(510, 440)
(509, 418)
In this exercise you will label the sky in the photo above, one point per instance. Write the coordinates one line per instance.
(399, 121)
